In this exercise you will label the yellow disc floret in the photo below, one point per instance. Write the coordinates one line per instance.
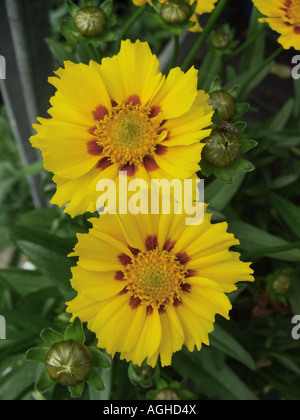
(155, 277)
(128, 133)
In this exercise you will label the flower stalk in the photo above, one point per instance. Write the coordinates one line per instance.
(260, 69)
(130, 22)
(204, 35)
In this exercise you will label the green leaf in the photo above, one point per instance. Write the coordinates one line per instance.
(286, 362)
(51, 264)
(107, 7)
(29, 323)
(96, 381)
(234, 295)
(32, 169)
(59, 52)
(253, 239)
(25, 282)
(100, 360)
(288, 211)
(216, 84)
(16, 378)
(225, 343)
(48, 253)
(223, 174)
(241, 126)
(109, 36)
(72, 7)
(242, 165)
(220, 195)
(241, 109)
(206, 168)
(253, 56)
(280, 121)
(222, 384)
(284, 181)
(41, 219)
(44, 382)
(247, 145)
(235, 91)
(37, 354)
(75, 331)
(51, 337)
(47, 240)
(76, 391)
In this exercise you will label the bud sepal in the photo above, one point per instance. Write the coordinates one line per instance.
(174, 15)
(169, 391)
(222, 41)
(222, 155)
(279, 284)
(89, 24)
(143, 375)
(228, 142)
(68, 361)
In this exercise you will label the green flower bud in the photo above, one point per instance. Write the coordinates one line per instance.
(69, 363)
(220, 40)
(223, 148)
(224, 103)
(175, 12)
(143, 375)
(167, 394)
(282, 284)
(90, 21)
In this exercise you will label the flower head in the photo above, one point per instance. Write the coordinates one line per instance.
(147, 285)
(202, 7)
(90, 21)
(284, 17)
(122, 115)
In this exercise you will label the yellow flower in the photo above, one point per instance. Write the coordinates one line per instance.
(206, 6)
(122, 115)
(147, 285)
(284, 18)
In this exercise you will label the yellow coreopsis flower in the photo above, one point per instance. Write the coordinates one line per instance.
(283, 16)
(122, 115)
(203, 6)
(147, 285)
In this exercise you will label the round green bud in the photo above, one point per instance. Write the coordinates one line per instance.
(224, 103)
(69, 363)
(220, 40)
(168, 395)
(175, 12)
(90, 21)
(142, 375)
(282, 284)
(222, 148)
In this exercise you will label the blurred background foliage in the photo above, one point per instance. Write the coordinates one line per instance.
(253, 356)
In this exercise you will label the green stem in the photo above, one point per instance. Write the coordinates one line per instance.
(260, 69)
(131, 21)
(204, 35)
(245, 45)
(175, 52)
(271, 250)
